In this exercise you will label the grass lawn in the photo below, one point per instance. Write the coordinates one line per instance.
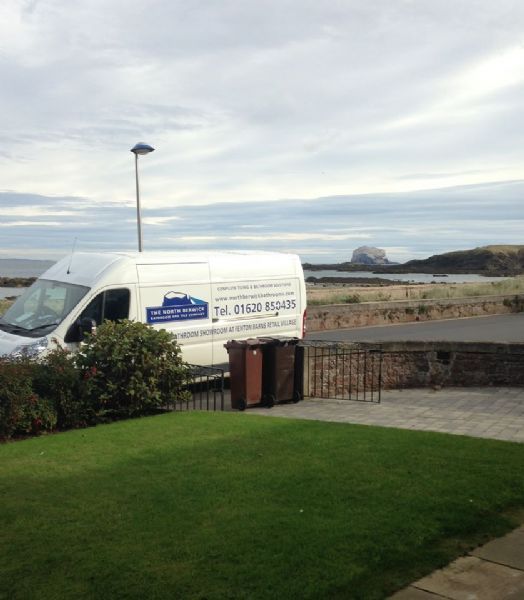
(234, 506)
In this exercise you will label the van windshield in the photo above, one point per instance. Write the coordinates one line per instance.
(41, 308)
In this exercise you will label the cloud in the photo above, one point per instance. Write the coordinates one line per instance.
(33, 211)
(288, 125)
(31, 224)
(156, 220)
(407, 225)
(256, 102)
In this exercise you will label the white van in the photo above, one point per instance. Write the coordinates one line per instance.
(203, 299)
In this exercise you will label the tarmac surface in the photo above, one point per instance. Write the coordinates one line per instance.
(494, 571)
(490, 328)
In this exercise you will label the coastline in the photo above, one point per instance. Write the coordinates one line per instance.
(16, 282)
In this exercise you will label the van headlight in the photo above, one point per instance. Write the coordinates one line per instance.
(31, 350)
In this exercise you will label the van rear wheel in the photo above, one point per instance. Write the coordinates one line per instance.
(242, 404)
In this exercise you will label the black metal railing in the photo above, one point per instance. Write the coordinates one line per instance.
(342, 372)
(206, 389)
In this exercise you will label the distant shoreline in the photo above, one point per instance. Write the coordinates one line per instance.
(16, 282)
(400, 269)
(359, 281)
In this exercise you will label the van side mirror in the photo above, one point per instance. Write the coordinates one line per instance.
(73, 333)
(87, 325)
(78, 330)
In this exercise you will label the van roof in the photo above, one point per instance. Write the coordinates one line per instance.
(84, 268)
(203, 255)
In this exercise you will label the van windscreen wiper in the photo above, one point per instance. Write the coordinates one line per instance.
(54, 324)
(10, 328)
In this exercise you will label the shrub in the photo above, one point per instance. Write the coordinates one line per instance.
(129, 368)
(352, 299)
(22, 411)
(423, 309)
(514, 302)
(126, 369)
(38, 414)
(57, 379)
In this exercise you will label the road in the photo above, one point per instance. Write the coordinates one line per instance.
(492, 328)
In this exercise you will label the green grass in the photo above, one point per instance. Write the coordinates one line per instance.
(509, 248)
(514, 285)
(236, 506)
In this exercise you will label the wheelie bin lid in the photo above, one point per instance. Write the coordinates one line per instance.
(280, 341)
(250, 342)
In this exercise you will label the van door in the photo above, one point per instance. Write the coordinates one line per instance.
(110, 304)
(176, 297)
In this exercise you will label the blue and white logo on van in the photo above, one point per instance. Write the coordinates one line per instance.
(177, 306)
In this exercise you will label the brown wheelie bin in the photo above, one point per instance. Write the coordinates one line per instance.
(245, 372)
(279, 381)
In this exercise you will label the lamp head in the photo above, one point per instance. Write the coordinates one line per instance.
(141, 148)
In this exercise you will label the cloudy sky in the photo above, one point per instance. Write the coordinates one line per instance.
(313, 127)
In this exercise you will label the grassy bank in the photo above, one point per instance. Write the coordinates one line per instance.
(4, 305)
(354, 294)
(235, 506)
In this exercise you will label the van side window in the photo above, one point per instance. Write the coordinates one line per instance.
(116, 305)
(94, 309)
(111, 305)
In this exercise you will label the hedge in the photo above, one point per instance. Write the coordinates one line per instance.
(126, 369)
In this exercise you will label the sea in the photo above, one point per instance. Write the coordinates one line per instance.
(407, 277)
(23, 267)
(8, 292)
(20, 267)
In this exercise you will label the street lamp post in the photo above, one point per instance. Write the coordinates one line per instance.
(139, 149)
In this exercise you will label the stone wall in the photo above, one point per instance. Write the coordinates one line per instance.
(430, 364)
(332, 371)
(339, 316)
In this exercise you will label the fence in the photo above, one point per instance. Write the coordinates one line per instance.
(206, 389)
(333, 371)
(324, 370)
(360, 372)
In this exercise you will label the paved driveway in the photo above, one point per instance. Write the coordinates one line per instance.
(487, 412)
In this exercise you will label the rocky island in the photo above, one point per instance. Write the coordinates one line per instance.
(493, 261)
(369, 255)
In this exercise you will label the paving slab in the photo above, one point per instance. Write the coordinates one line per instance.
(411, 593)
(494, 571)
(507, 550)
(496, 413)
(471, 578)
